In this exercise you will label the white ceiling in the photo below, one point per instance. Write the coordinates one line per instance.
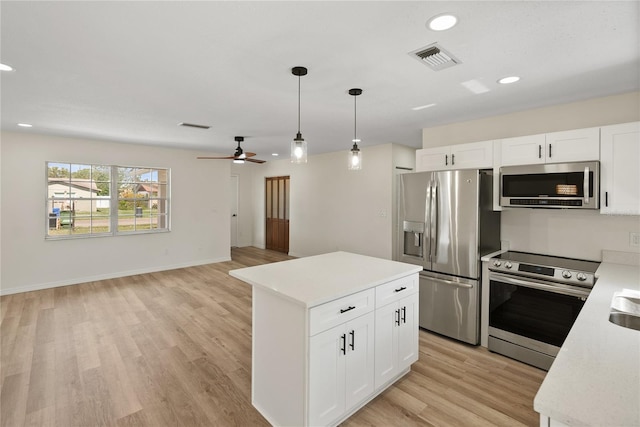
(130, 71)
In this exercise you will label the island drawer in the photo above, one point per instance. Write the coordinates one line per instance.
(396, 289)
(342, 310)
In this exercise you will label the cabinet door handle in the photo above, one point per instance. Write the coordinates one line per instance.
(400, 289)
(539, 151)
(453, 159)
(549, 150)
(404, 314)
(446, 159)
(343, 337)
(606, 198)
(398, 317)
(353, 340)
(344, 310)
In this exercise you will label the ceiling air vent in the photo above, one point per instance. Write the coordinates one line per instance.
(435, 57)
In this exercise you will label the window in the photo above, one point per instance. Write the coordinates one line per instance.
(98, 200)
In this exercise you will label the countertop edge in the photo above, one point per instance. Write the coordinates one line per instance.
(549, 401)
(320, 301)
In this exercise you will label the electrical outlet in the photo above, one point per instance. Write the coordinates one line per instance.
(634, 239)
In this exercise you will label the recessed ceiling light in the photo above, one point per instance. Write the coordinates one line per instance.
(275, 154)
(25, 125)
(442, 22)
(5, 67)
(422, 107)
(507, 80)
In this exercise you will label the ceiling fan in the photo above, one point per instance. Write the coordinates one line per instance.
(239, 156)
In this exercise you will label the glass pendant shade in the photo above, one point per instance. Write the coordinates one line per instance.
(298, 149)
(299, 145)
(355, 158)
(355, 155)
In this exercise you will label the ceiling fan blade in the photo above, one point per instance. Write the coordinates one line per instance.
(217, 158)
(249, 154)
(256, 160)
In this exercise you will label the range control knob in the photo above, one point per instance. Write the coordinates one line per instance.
(507, 265)
(497, 263)
(566, 274)
(581, 276)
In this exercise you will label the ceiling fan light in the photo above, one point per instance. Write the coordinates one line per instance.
(238, 161)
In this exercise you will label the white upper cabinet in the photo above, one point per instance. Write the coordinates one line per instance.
(474, 155)
(577, 145)
(522, 150)
(620, 169)
(429, 159)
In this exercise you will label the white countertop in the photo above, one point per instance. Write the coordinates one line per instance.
(595, 379)
(314, 280)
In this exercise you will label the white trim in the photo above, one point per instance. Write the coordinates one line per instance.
(49, 285)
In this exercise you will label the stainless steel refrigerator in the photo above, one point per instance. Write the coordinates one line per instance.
(446, 225)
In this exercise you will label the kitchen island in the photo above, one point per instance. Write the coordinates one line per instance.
(330, 332)
(595, 378)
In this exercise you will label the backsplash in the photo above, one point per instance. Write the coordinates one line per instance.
(568, 233)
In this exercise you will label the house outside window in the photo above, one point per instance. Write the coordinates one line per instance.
(86, 200)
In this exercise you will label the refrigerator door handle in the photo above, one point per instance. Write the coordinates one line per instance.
(434, 220)
(427, 213)
(467, 284)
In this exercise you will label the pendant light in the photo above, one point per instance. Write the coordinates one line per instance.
(299, 145)
(355, 155)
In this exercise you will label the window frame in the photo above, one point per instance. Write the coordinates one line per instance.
(114, 201)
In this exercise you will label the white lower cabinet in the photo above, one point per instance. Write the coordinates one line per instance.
(341, 369)
(315, 366)
(396, 340)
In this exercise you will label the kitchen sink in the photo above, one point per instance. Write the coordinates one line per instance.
(626, 320)
(625, 309)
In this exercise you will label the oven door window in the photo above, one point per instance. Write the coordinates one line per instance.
(540, 315)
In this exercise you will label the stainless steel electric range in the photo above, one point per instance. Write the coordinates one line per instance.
(534, 301)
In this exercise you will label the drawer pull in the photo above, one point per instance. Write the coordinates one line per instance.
(344, 310)
(400, 289)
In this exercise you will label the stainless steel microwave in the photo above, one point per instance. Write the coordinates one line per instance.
(560, 185)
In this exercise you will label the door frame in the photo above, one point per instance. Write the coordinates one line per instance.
(234, 188)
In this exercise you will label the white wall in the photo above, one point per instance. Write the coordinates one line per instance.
(592, 112)
(569, 233)
(199, 215)
(333, 208)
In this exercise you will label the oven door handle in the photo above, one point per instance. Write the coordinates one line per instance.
(540, 285)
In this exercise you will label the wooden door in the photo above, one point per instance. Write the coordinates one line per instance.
(277, 213)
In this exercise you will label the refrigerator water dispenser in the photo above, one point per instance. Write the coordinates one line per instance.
(413, 238)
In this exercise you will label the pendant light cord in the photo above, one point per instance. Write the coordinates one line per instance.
(298, 104)
(355, 120)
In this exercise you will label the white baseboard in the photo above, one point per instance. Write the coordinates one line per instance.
(79, 280)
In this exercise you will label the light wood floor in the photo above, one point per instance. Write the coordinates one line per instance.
(174, 348)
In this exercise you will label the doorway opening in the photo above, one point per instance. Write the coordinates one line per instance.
(277, 213)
